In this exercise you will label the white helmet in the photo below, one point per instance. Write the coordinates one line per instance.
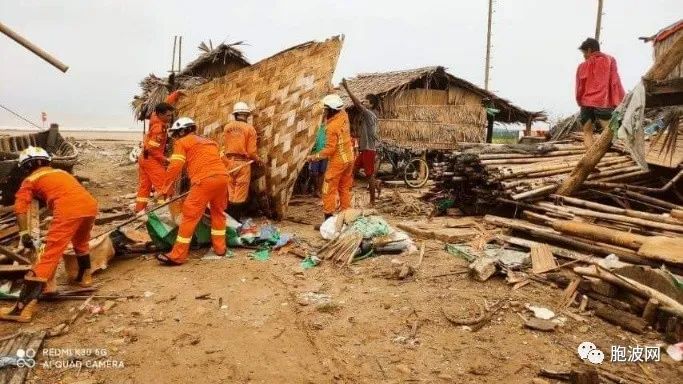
(181, 124)
(33, 153)
(333, 101)
(241, 107)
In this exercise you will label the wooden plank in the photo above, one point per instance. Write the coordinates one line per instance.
(8, 232)
(542, 259)
(14, 256)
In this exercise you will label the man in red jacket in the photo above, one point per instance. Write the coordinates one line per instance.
(598, 89)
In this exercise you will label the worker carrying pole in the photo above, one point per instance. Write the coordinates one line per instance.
(209, 185)
(239, 147)
(339, 150)
(74, 211)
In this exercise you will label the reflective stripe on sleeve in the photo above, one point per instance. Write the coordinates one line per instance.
(218, 232)
(177, 157)
(183, 240)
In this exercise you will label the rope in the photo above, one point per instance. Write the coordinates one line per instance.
(21, 117)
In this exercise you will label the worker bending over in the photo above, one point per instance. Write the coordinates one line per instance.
(73, 210)
(598, 89)
(239, 147)
(209, 185)
(339, 152)
(152, 163)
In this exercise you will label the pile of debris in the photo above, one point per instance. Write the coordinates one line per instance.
(479, 177)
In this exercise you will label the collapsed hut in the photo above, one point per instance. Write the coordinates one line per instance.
(665, 101)
(284, 91)
(428, 108)
(212, 63)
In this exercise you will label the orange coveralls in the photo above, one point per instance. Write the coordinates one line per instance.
(339, 174)
(209, 185)
(151, 170)
(239, 146)
(73, 209)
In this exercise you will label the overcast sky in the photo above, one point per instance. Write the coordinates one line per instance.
(111, 44)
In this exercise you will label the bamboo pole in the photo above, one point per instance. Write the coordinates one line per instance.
(496, 156)
(650, 199)
(581, 245)
(33, 48)
(618, 211)
(615, 217)
(542, 191)
(666, 302)
(599, 233)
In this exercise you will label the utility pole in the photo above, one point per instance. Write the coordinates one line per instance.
(488, 46)
(598, 22)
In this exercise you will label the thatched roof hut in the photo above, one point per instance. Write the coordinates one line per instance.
(666, 147)
(430, 108)
(212, 63)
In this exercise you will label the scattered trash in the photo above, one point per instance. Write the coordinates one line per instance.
(328, 229)
(540, 324)
(314, 298)
(211, 255)
(482, 268)
(262, 254)
(309, 262)
(541, 312)
(675, 351)
(148, 294)
(284, 239)
(371, 226)
(462, 251)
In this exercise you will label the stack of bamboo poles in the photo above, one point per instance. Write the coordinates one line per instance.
(481, 176)
(635, 236)
(634, 292)
(341, 250)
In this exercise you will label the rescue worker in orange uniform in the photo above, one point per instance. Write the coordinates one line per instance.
(339, 152)
(152, 163)
(239, 147)
(209, 185)
(74, 211)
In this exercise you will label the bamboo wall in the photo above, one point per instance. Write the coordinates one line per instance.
(432, 118)
(664, 46)
(285, 91)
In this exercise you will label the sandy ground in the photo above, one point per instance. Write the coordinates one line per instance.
(272, 322)
(86, 135)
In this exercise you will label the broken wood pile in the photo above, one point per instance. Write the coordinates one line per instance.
(478, 177)
(635, 236)
(636, 289)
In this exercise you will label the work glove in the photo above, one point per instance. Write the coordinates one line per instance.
(27, 241)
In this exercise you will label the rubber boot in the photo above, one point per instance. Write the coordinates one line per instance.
(27, 304)
(83, 277)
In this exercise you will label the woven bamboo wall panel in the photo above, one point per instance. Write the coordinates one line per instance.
(285, 92)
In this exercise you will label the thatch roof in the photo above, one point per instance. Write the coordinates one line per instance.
(212, 63)
(380, 84)
(664, 33)
(223, 54)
